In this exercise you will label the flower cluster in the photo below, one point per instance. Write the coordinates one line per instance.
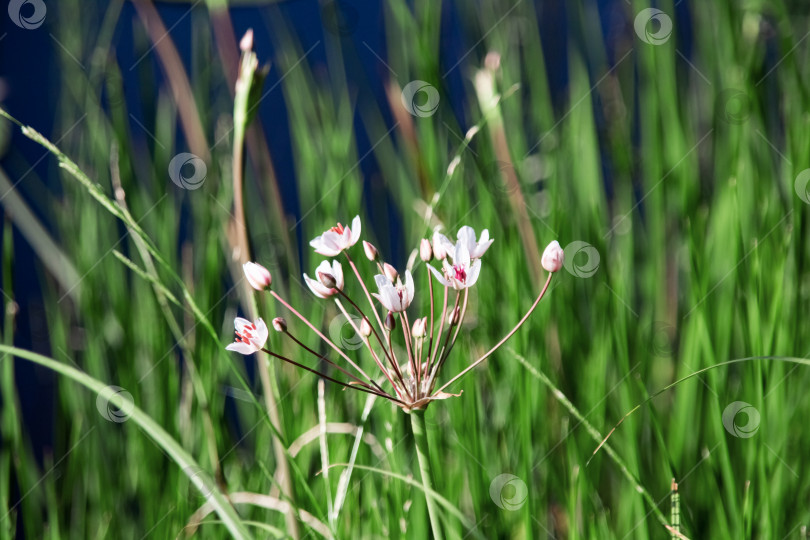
(428, 340)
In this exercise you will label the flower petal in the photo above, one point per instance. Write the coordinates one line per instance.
(472, 273)
(355, 231)
(316, 287)
(462, 255)
(439, 276)
(261, 334)
(409, 289)
(241, 348)
(466, 235)
(239, 324)
(337, 272)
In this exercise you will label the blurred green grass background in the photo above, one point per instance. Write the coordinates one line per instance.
(679, 171)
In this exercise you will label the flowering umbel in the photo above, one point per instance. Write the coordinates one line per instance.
(427, 339)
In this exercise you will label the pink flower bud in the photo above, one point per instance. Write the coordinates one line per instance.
(246, 44)
(419, 325)
(371, 251)
(553, 257)
(454, 316)
(257, 275)
(425, 250)
(365, 327)
(390, 272)
(280, 325)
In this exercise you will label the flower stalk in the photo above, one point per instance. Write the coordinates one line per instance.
(423, 456)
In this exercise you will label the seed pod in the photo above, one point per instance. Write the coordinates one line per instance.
(328, 280)
(390, 322)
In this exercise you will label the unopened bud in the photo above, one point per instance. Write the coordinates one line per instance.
(553, 257)
(492, 61)
(257, 275)
(365, 327)
(390, 322)
(390, 272)
(454, 316)
(328, 280)
(280, 325)
(371, 251)
(425, 250)
(246, 44)
(419, 325)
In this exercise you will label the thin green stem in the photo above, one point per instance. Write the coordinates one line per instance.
(422, 453)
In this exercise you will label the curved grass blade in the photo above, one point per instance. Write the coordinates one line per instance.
(186, 462)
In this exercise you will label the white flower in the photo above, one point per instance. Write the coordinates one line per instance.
(442, 246)
(321, 287)
(251, 336)
(338, 238)
(462, 273)
(395, 297)
(466, 235)
(553, 257)
(257, 275)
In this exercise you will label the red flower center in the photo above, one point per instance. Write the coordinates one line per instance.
(461, 274)
(245, 336)
(337, 228)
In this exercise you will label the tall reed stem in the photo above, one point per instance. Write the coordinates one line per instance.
(422, 453)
